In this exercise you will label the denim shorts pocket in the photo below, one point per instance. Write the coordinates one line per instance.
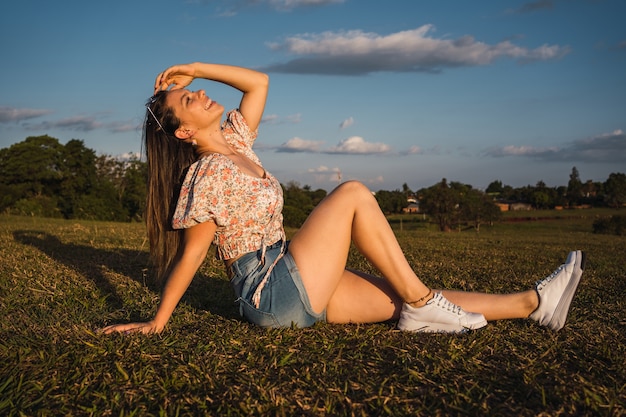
(255, 316)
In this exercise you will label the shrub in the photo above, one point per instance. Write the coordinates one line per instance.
(40, 206)
(614, 225)
(293, 216)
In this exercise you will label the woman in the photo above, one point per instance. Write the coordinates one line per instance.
(207, 185)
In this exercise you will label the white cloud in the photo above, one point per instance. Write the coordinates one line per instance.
(275, 119)
(375, 181)
(292, 4)
(323, 169)
(294, 118)
(357, 53)
(81, 123)
(354, 145)
(300, 145)
(603, 148)
(324, 174)
(11, 114)
(346, 123)
(512, 150)
(270, 118)
(121, 127)
(230, 8)
(77, 123)
(358, 145)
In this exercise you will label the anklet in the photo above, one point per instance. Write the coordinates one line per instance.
(420, 299)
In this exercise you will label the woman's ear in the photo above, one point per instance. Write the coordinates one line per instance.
(183, 133)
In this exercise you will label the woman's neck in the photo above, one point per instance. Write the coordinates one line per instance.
(217, 145)
(212, 142)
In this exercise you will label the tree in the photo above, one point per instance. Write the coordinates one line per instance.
(574, 187)
(406, 190)
(495, 187)
(31, 172)
(442, 203)
(299, 202)
(542, 197)
(391, 201)
(40, 176)
(561, 196)
(78, 175)
(128, 179)
(615, 190)
(32, 164)
(134, 195)
(478, 208)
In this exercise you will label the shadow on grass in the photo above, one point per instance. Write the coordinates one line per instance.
(206, 292)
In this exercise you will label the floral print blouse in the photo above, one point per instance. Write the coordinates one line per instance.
(246, 209)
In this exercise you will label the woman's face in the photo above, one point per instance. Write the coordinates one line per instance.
(195, 110)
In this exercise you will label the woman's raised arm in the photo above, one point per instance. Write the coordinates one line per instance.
(253, 84)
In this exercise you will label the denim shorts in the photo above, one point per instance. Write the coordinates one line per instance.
(284, 301)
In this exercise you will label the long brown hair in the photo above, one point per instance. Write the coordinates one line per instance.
(168, 159)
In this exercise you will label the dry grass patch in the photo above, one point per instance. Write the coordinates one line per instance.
(60, 281)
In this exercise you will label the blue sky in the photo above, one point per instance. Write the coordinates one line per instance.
(385, 92)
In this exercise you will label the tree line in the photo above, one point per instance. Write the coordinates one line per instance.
(42, 177)
(610, 193)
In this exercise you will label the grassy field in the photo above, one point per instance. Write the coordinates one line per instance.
(61, 281)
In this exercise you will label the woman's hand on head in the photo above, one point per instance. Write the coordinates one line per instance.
(176, 77)
(141, 327)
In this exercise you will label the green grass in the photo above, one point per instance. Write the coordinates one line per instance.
(61, 281)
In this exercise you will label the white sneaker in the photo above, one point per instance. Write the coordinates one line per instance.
(439, 315)
(557, 291)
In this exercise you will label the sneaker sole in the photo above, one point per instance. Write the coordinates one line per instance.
(423, 327)
(562, 309)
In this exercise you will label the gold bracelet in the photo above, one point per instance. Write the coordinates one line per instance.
(421, 299)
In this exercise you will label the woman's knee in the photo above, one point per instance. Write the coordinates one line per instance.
(346, 198)
(353, 188)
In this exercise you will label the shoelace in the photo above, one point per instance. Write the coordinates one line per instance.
(446, 304)
(543, 282)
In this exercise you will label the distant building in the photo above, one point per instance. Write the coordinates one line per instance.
(520, 207)
(412, 208)
(503, 206)
(513, 206)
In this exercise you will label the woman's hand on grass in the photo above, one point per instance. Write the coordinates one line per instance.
(141, 327)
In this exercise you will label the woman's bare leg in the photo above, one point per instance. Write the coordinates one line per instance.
(363, 298)
(496, 306)
(320, 248)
